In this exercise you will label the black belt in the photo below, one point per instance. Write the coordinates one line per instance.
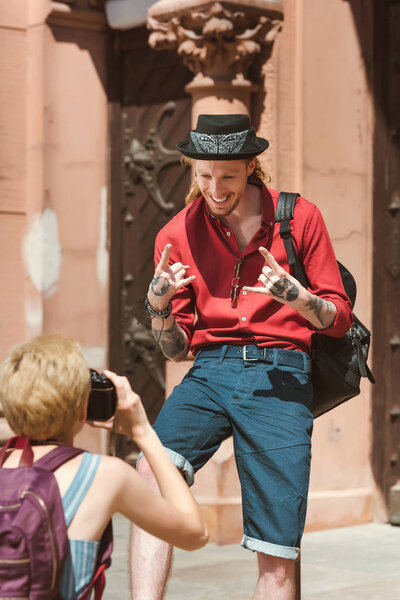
(252, 353)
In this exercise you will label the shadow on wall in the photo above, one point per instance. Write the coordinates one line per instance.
(377, 24)
(94, 42)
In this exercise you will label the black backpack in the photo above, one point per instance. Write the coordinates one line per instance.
(337, 363)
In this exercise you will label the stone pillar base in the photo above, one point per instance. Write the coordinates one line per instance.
(219, 97)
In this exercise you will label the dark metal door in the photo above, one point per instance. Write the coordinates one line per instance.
(386, 280)
(150, 113)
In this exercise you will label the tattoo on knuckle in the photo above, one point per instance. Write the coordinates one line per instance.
(160, 285)
(285, 289)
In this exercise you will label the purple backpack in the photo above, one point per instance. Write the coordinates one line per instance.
(33, 534)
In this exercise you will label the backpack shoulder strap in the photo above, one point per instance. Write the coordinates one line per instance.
(20, 442)
(57, 457)
(284, 214)
(285, 207)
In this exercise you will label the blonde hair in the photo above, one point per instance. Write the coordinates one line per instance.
(194, 190)
(43, 386)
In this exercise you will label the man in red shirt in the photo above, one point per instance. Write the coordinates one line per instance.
(222, 288)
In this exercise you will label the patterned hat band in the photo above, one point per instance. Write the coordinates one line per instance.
(230, 143)
(223, 137)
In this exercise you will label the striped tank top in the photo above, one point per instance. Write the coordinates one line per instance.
(81, 561)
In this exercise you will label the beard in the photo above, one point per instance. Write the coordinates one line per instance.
(224, 212)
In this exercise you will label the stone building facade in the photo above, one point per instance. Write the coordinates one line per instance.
(89, 173)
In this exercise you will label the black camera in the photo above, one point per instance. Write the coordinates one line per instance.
(102, 398)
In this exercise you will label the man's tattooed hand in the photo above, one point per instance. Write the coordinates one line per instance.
(276, 282)
(282, 286)
(159, 285)
(285, 289)
(168, 279)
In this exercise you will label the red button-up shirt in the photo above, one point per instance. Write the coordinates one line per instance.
(204, 309)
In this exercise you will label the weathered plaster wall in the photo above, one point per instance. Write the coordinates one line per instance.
(75, 187)
(53, 165)
(21, 131)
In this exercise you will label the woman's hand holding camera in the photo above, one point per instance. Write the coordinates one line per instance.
(130, 417)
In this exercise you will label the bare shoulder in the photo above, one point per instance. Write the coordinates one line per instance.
(114, 478)
(112, 468)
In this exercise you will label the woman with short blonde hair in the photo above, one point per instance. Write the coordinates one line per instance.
(44, 385)
(44, 390)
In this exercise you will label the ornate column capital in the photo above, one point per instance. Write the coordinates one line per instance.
(216, 40)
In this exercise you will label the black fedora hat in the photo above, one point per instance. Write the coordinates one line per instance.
(223, 137)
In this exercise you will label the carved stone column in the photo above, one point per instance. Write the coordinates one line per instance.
(217, 41)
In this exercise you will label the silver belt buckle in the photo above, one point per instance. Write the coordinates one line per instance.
(245, 358)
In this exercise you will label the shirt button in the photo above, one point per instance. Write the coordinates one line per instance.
(228, 233)
(244, 292)
(244, 319)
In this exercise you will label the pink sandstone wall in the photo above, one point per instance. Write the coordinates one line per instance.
(75, 190)
(336, 157)
(20, 164)
(53, 205)
(323, 126)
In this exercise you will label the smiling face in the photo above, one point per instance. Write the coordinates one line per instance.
(222, 183)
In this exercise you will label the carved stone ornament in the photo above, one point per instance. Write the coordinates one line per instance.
(215, 39)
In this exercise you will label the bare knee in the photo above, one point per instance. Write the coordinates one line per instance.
(276, 568)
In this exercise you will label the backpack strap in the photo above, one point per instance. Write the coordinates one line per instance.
(21, 442)
(50, 461)
(284, 214)
(57, 457)
(97, 584)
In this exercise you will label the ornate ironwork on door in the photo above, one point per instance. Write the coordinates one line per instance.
(151, 115)
(145, 160)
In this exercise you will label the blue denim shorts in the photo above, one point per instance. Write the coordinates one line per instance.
(265, 405)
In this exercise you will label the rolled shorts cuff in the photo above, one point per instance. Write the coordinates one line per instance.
(180, 462)
(268, 548)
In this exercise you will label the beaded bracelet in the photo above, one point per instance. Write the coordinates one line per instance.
(160, 314)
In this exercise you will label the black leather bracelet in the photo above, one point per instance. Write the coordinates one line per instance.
(159, 314)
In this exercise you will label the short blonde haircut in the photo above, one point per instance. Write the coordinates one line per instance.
(194, 190)
(43, 386)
